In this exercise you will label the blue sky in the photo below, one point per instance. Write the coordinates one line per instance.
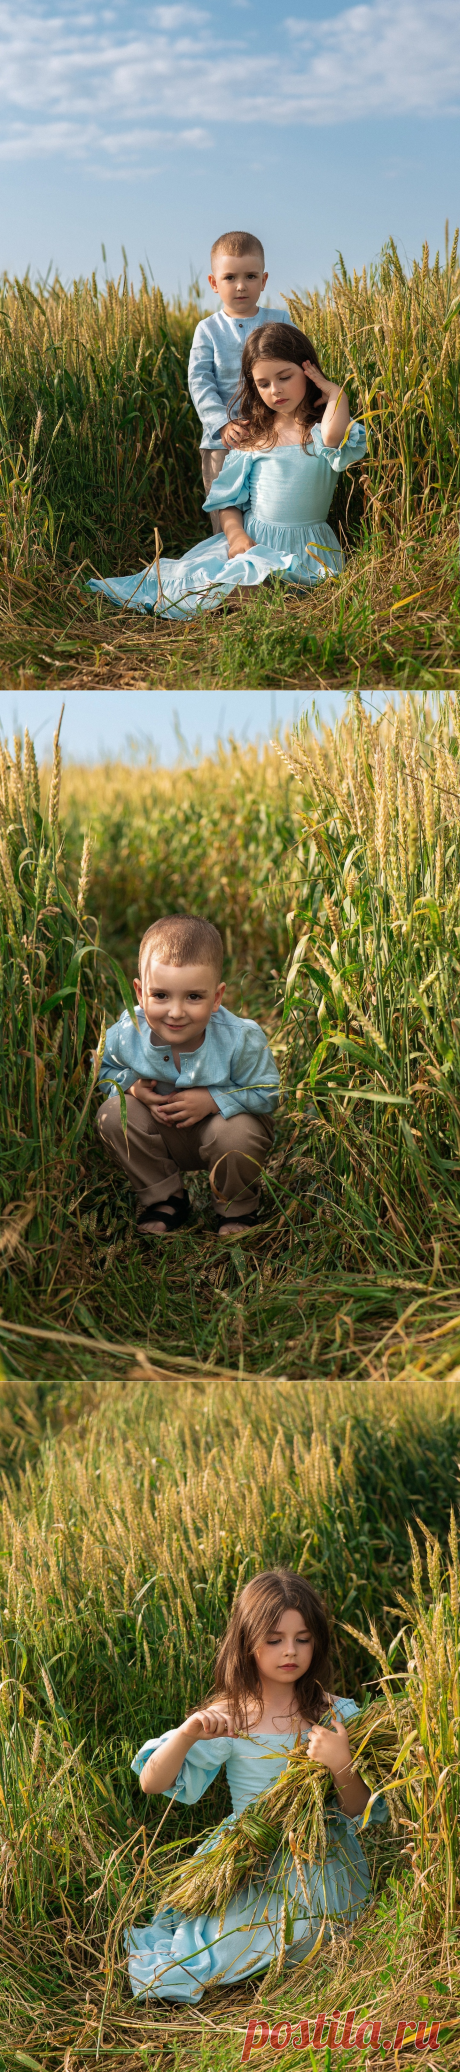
(97, 724)
(156, 127)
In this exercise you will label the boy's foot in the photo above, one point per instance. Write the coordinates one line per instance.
(235, 1226)
(163, 1217)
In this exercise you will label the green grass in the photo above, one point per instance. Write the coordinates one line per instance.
(393, 618)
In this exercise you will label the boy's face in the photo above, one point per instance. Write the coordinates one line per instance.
(178, 1000)
(239, 282)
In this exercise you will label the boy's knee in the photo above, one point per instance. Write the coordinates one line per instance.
(242, 1132)
(108, 1121)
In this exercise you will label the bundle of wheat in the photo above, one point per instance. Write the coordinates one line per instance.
(290, 1820)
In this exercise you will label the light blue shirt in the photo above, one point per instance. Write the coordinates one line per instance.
(214, 366)
(233, 1062)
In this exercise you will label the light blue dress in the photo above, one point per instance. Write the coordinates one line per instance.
(174, 1958)
(284, 497)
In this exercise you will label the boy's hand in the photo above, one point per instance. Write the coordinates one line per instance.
(143, 1090)
(183, 1109)
(232, 434)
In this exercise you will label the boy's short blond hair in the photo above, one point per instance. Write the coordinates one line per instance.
(237, 243)
(184, 939)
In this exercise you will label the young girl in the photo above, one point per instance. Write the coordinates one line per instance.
(273, 493)
(271, 1678)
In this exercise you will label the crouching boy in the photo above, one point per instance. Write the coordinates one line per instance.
(200, 1084)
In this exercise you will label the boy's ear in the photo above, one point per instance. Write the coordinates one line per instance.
(137, 989)
(213, 283)
(219, 993)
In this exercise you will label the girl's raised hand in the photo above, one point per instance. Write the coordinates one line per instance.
(207, 1724)
(330, 1746)
(328, 388)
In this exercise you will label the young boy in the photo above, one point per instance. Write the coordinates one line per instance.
(201, 1084)
(239, 277)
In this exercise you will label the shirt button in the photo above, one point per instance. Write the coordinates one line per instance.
(166, 1057)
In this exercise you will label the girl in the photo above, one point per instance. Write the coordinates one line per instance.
(273, 493)
(271, 1676)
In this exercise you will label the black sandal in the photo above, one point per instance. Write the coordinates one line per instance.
(176, 1211)
(243, 1222)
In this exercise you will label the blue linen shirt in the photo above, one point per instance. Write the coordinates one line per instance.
(214, 366)
(233, 1061)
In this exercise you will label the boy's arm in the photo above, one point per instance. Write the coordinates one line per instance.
(112, 1067)
(203, 386)
(254, 1080)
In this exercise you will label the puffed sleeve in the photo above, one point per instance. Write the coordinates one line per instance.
(352, 449)
(196, 1772)
(377, 1810)
(232, 485)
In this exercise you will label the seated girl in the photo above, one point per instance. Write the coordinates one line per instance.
(273, 492)
(271, 1678)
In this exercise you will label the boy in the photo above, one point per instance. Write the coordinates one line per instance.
(200, 1083)
(239, 277)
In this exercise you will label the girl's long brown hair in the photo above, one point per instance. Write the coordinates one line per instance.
(274, 342)
(256, 1614)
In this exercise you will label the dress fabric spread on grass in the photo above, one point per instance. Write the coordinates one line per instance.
(175, 1958)
(284, 496)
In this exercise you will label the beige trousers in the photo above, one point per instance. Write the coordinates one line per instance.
(232, 1151)
(212, 460)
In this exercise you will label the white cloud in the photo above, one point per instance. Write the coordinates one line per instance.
(179, 17)
(77, 84)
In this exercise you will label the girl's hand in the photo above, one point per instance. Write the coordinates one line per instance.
(206, 1725)
(336, 417)
(331, 1747)
(239, 544)
(328, 388)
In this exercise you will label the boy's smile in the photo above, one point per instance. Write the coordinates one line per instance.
(178, 1001)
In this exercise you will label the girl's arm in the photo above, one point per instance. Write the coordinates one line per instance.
(332, 1747)
(232, 526)
(337, 414)
(161, 1769)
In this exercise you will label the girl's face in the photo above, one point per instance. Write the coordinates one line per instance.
(281, 384)
(287, 1650)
